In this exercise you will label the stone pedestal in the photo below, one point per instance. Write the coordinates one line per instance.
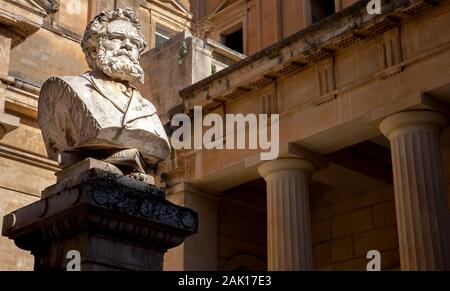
(288, 215)
(420, 193)
(113, 221)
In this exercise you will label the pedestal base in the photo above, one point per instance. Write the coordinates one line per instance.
(112, 224)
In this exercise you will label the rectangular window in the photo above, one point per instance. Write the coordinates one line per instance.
(321, 9)
(234, 39)
(163, 34)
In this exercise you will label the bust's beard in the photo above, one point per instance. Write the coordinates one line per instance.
(120, 65)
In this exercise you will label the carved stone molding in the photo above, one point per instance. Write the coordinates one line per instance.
(7, 122)
(25, 17)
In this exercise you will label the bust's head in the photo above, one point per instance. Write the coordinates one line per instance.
(113, 43)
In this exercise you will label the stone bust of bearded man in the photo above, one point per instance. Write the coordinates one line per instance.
(100, 114)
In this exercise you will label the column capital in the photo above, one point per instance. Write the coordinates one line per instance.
(286, 165)
(413, 121)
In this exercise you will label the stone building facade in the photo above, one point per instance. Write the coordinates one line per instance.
(364, 144)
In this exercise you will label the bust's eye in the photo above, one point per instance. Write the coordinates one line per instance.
(135, 41)
(116, 36)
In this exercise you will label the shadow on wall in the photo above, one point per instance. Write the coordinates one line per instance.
(245, 263)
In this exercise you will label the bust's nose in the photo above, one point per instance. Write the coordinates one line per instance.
(126, 43)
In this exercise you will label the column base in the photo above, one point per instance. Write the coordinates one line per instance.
(112, 224)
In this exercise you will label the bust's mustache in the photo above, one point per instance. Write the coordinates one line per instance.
(126, 53)
(120, 64)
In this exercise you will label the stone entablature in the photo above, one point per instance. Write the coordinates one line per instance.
(369, 79)
(308, 47)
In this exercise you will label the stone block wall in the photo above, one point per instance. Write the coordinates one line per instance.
(11, 257)
(190, 60)
(44, 55)
(242, 226)
(346, 227)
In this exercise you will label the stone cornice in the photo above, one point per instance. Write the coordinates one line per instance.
(99, 203)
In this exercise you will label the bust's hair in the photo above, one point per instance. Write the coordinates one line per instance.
(96, 29)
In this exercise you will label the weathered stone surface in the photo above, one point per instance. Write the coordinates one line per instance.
(101, 110)
(97, 213)
(100, 118)
(75, 175)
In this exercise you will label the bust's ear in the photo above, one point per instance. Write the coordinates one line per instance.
(93, 52)
(91, 56)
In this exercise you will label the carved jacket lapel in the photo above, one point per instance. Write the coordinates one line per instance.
(138, 108)
(133, 108)
(116, 97)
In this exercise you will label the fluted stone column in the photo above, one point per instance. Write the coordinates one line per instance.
(288, 214)
(420, 194)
